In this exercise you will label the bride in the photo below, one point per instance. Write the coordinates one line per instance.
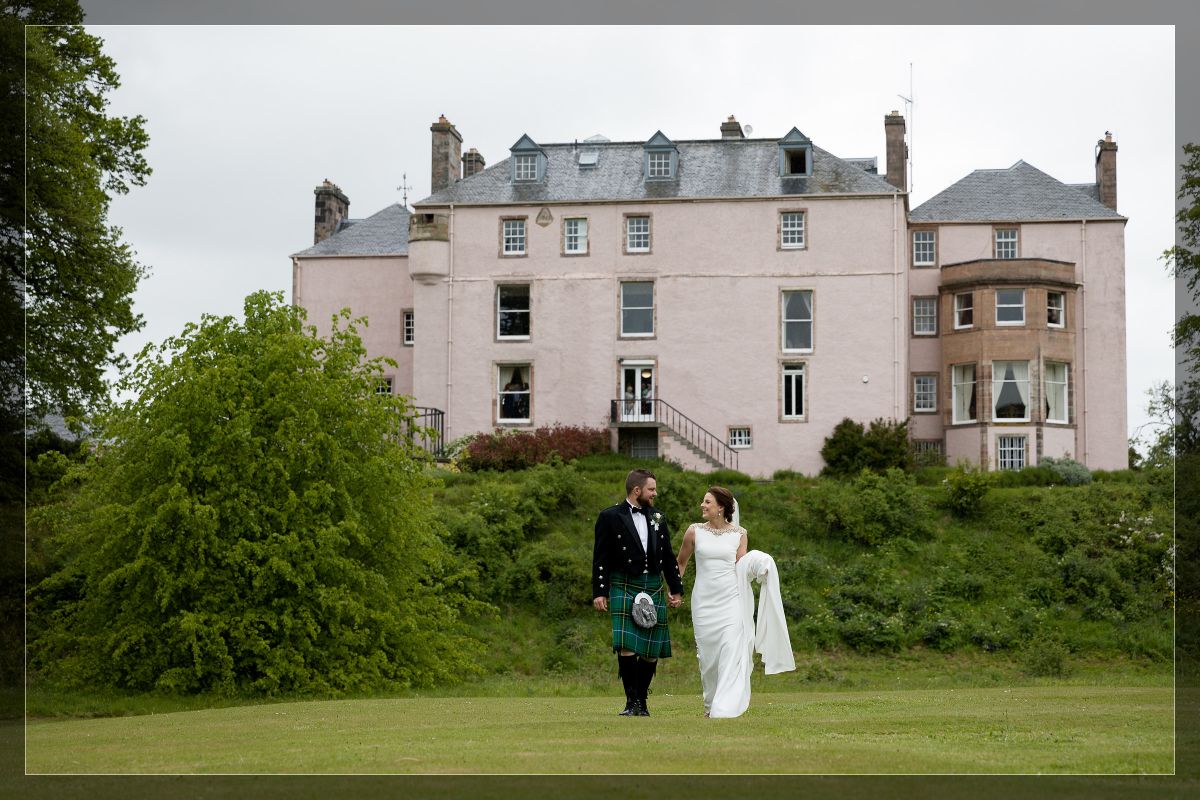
(723, 607)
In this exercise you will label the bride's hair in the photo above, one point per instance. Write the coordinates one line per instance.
(724, 499)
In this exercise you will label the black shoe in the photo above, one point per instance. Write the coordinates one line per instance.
(631, 709)
(641, 711)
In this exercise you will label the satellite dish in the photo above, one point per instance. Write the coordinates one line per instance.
(749, 129)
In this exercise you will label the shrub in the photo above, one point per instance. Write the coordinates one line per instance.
(965, 490)
(872, 509)
(513, 450)
(851, 449)
(1068, 470)
(1029, 476)
(1045, 657)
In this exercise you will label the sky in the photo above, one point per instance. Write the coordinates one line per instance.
(245, 121)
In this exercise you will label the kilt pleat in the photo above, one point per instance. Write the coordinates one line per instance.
(628, 635)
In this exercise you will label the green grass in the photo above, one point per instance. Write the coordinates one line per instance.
(1033, 729)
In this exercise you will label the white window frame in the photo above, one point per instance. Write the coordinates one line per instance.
(1064, 386)
(959, 308)
(998, 385)
(658, 164)
(501, 392)
(797, 373)
(408, 325)
(1061, 308)
(792, 230)
(500, 312)
(1020, 305)
(920, 247)
(525, 167)
(1010, 451)
(741, 437)
(1006, 245)
(959, 384)
(514, 237)
(785, 320)
(624, 308)
(932, 317)
(575, 242)
(929, 393)
(384, 386)
(630, 234)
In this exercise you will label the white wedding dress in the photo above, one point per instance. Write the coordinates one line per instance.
(723, 620)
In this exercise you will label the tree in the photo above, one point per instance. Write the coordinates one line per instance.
(68, 279)
(257, 519)
(1183, 261)
(851, 448)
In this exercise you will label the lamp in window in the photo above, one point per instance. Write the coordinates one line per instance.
(1010, 404)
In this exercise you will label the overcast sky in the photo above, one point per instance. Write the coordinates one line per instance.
(245, 121)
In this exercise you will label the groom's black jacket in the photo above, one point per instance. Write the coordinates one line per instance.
(619, 549)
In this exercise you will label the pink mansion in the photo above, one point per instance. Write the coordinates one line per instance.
(728, 301)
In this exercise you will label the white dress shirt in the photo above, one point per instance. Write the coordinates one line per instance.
(643, 528)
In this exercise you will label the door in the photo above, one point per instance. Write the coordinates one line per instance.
(637, 393)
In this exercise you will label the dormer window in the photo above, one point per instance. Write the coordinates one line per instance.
(661, 158)
(528, 161)
(795, 155)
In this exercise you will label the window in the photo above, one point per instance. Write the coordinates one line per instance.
(1056, 309)
(925, 316)
(798, 321)
(409, 328)
(514, 237)
(637, 308)
(658, 164)
(964, 310)
(1010, 451)
(637, 234)
(384, 386)
(924, 393)
(1010, 306)
(928, 453)
(1055, 377)
(964, 393)
(1010, 390)
(739, 438)
(791, 230)
(512, 387)
(512, 312)
(1006, 242)
(525, 167)
(923, 248)
(575, 235)
(793, 391)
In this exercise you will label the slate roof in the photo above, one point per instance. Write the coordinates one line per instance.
(384, 233)
(707, 168)
(1021, 192)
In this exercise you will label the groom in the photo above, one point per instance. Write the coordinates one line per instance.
(632, 554)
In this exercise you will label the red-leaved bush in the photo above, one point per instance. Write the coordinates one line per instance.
(509, 449)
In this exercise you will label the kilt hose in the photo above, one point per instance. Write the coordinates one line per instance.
(628, 635)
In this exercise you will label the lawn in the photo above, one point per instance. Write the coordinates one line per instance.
(1020, 729)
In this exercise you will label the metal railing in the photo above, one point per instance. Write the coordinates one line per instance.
(430, 433)
(660, 412)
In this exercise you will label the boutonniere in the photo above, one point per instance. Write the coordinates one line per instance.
(655, 520)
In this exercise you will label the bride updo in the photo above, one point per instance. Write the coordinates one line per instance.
(724, 499)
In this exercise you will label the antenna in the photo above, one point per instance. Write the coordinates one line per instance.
(404, 187)
(908, 112)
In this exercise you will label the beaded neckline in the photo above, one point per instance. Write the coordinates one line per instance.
(727, 529)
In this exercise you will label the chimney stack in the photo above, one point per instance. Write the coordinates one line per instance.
(897, 151)
(1106, 170)
(472, 163)
(332, 208)
(731, 129)
(447, 155)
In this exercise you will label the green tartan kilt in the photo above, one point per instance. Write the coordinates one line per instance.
(628, 635)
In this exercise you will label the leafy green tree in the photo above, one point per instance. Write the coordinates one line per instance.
(851, 448)
(68, 278)
(257, 519)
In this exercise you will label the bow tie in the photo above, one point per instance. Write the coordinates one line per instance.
(638, 510)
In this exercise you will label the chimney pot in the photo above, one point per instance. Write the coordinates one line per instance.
(731, 129)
